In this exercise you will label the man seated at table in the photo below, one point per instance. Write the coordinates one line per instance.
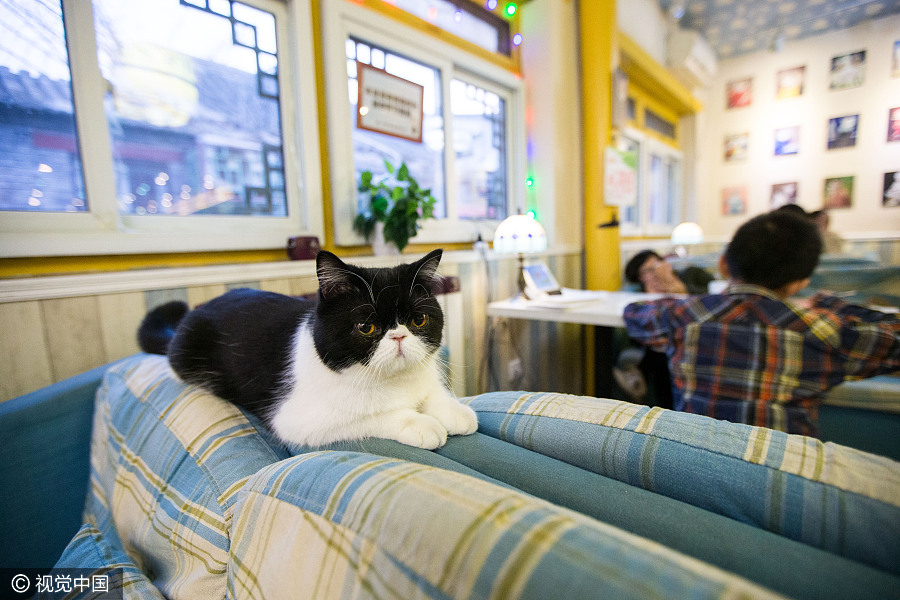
(655, 275)
(753, 355)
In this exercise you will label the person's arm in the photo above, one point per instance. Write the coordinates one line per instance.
(870, 339)
(644, 324)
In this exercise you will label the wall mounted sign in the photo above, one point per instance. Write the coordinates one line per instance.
(620, 177)
(389, 104)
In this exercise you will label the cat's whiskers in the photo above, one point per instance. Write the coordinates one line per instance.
(382, 290)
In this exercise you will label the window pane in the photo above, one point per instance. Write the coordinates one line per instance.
(370, 149)
(657, 190)
(664, 196)
(40, 164)
(479, 137)
(192, 107)
(631, 149)
(656, 123)
(469, 22)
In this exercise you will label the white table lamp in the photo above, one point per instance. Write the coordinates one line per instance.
(686, 234)
(520, 234)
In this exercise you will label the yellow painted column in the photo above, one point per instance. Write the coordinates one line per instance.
(597, 27)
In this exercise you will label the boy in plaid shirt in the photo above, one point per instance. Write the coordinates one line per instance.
(752, 355)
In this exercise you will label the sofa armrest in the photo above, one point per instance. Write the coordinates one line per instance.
(44, 465)
(824, 495)
(355, 525)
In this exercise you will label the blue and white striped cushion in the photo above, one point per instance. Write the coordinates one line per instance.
(825, 495)
(338, 524)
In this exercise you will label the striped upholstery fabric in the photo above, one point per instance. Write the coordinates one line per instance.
(90, 551)
(880, 393)
(167, 461)
(349, 525)
(189, 492)
(828, 496)
(206, 506)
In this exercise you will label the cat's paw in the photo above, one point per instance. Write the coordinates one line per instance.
(457, 418)
(422, 431)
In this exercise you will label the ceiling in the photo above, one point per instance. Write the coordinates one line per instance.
(734, 27)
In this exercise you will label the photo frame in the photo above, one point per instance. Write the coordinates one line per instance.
(893, 132)
(848, 70)
(734, 200)
(838, 192)
(890, 197)
(789, 82)
(842, 131)
(787, 140)
(739, 93)
(736, 147)
(783, 193)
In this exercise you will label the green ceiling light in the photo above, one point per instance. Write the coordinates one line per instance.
(511, 9)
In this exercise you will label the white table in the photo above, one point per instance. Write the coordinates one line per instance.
(603, 310)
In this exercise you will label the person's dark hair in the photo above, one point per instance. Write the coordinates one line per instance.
(774, 249)
(632, 269)
(793, 209)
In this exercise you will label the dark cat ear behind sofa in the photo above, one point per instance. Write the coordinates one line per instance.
(555, 496)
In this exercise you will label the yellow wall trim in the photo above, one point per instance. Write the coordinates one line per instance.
(644, 71)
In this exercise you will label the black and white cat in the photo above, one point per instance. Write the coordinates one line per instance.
(359, 362)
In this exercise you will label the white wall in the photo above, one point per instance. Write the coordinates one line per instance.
(644, 22)
(867, 161)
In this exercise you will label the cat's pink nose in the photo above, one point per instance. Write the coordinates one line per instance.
(399, 337)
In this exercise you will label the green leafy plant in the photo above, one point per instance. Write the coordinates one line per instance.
(396, 200)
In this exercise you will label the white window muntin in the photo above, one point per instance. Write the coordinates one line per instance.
(103, 230)
(343, 20)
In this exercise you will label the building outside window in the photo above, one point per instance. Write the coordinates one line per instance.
(180, 121)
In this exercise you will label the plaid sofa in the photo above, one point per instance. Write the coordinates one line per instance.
(555, 497)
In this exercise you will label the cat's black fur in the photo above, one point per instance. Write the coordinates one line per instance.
(240, 346)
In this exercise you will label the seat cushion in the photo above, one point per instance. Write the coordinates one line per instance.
(825, 495)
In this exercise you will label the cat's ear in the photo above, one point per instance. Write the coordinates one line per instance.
(425, 268)
(334, 276)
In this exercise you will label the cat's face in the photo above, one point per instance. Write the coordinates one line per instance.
(385, 319)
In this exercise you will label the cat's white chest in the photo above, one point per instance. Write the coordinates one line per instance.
(325, 406)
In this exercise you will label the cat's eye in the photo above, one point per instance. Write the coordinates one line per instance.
(419, 320)
(367, 328)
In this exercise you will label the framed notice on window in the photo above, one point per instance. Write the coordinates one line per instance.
(389, 104)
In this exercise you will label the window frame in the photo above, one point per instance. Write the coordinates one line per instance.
(648, 145)
(102, 230)
(343, 20)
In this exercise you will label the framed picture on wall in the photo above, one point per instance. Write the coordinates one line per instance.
(789, 83)
(736, 147)
(739, 93)
(838, 192)
(842, 131)
(783, 193)
(848, 70)
(891, 195)
(894, 125)
(734, 200)
(895, 60)
(787, 140)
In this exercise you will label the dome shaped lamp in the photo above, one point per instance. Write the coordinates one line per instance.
(520, 234)
(684, 235)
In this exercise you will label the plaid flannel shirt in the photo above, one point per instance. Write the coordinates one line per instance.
(748, 356)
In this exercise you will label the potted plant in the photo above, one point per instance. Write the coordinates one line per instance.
(397, 202)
